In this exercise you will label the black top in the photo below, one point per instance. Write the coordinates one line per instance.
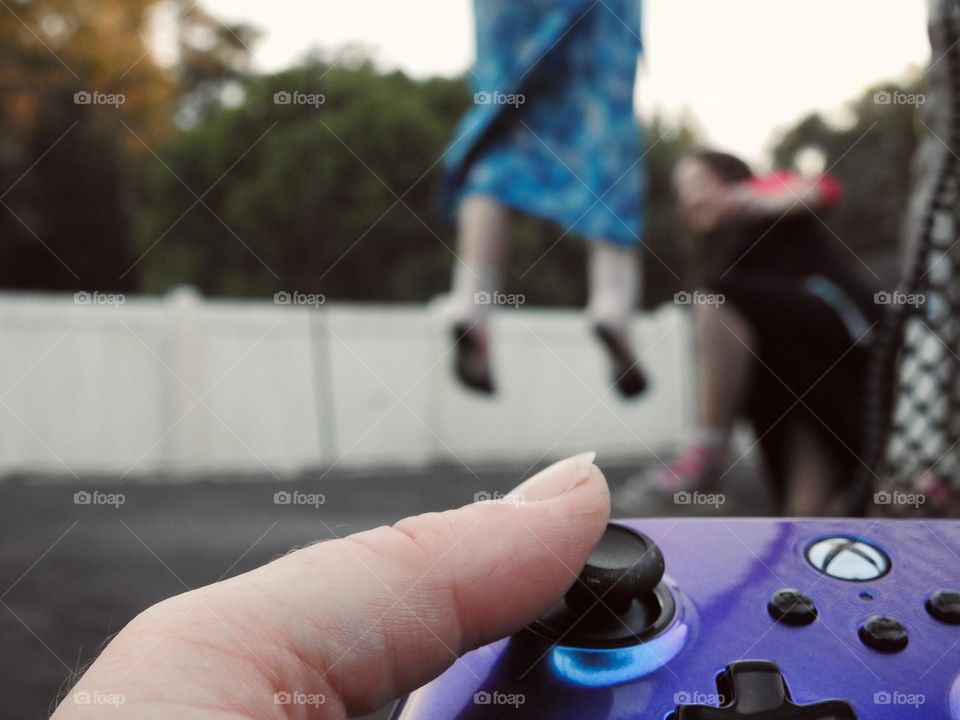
(794, 247)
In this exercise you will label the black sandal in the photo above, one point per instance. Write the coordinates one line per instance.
(472, 366)
(628, 377)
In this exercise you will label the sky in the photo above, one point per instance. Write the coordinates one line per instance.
(741, 68)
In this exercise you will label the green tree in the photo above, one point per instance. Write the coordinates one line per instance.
(72, 167)
(63, 164)
(332, 194)
(872, 157)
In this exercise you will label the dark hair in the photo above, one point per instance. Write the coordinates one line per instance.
(710, 251)
(729, 168)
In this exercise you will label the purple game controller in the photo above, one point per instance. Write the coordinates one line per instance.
(732, 620)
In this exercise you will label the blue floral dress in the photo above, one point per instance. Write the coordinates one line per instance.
(552, 130)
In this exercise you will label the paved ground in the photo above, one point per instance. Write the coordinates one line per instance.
(71, 575)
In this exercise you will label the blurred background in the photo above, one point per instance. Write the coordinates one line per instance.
(221, 251)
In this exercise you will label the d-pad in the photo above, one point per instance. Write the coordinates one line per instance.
(756, 690)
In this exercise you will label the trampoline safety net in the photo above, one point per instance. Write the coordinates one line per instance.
(914, 434)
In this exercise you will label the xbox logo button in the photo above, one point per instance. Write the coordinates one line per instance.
(847, 558)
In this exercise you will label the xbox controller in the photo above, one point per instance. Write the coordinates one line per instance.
(732, 619)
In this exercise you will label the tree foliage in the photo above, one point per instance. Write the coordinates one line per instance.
(872, 156)
(83, 108)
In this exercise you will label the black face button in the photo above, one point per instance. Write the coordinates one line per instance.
(755, 690)
(884, 633)
(944, 605)
(792, 607)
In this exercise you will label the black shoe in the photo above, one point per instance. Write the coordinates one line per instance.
(628, 378)
(472, 364)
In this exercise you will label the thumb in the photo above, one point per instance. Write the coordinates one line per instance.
(397, 605)
(358, 621)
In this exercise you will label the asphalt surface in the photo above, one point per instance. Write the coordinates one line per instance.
(72, 575)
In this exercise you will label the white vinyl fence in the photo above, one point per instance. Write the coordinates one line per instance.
(180, 385)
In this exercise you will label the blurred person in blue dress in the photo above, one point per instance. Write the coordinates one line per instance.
(552, 134)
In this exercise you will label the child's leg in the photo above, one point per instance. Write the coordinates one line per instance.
(812, 475)
(483, 227)
(614, 284)
(726, 343)
(614, 279)
(483, 239)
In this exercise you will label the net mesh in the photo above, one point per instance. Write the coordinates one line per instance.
(925, 423)
(916, 376)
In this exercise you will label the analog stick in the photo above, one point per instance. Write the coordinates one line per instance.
(617, 600)
(624, 566)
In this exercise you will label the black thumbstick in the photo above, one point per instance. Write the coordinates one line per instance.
(626, 565)
(618, 600)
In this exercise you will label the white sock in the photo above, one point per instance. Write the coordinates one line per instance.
(713, 437)
(471, 296)
(614, 277)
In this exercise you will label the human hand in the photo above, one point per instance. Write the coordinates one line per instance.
(342, 627)
(743, 202)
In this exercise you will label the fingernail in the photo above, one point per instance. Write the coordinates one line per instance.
(556, 479)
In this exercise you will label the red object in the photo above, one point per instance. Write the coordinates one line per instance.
(831, 189)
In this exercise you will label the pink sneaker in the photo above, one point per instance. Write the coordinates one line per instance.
(699, 469)
(937, 491)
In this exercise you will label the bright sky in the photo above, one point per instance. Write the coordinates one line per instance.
(743, 68)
